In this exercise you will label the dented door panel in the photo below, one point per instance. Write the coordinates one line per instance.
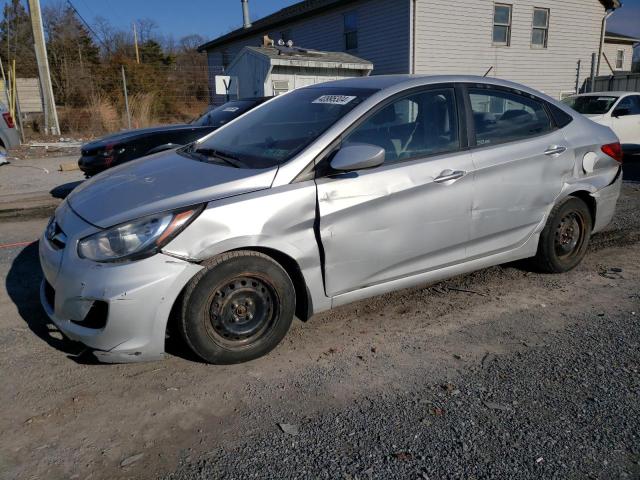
(394, 221)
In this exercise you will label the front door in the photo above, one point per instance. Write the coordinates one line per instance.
(520, 163)
(411, 214)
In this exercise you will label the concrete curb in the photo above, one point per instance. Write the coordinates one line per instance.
(27, 206)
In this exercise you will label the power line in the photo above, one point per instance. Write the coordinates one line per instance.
(87, 25)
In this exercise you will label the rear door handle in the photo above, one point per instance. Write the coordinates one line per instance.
(449, 175)
(555, 150)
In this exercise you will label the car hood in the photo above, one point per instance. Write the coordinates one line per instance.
(127, 135)
(158, 183)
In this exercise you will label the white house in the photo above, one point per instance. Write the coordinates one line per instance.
(536, 42)
(617, 54)
(267, 71)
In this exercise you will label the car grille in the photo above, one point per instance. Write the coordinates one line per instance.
(56, 237)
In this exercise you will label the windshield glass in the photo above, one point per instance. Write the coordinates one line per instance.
(276, 132)
(224, 114)
(592, 104)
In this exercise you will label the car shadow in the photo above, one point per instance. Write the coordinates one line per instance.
(62, 191)
(631, 168)
(23, 287)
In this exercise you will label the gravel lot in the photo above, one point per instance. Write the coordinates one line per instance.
(563, 409)
(498, 374)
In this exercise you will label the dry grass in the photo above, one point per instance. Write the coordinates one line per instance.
(105, 116)
(141, 107)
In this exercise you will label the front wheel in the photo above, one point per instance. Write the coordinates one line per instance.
(238, 308)
(565, 238)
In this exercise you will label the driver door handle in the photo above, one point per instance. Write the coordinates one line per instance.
(555, 150)
(448, 175)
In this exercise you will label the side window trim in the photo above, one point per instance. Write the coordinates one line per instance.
(319, 164)
(471, 132)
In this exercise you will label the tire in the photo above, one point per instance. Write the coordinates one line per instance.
(565, 238)
(238, 308)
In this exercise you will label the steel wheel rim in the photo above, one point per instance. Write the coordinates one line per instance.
(569, 235)
(241, 310)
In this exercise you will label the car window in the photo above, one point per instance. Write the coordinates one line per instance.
(501, 116)
(224, 114)
(591, 104)
(415, 126)
(631, 103)
(277, 131)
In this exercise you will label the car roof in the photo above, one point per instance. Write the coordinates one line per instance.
(606, 94)
(382, 82)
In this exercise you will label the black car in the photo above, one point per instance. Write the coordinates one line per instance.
(122, 147)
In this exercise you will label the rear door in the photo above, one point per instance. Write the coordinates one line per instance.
(521, 161)
(409, 215)
(627, 126)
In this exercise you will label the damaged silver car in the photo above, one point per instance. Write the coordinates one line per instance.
(326, 195)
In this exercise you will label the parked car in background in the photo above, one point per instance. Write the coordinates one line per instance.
(619, 111)
(122, 147)
(323, 196)
(9, 135)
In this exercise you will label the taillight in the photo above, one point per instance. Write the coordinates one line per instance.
(614, 150)
(8, 119)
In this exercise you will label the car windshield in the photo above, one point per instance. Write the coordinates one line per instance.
(224, 114)
(277, 131)
(591, 104)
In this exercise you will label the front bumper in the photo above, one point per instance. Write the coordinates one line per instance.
(138, 297)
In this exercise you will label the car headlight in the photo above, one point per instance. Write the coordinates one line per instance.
(137, 239)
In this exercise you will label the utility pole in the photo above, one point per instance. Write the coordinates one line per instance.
(135, 42)
(50, 114)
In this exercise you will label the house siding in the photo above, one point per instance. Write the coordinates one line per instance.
(611, 51)
(383, 35)
(456, 38)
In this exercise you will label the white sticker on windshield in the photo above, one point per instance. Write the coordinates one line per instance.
(231, 109)
(604, 99)
(334, 99)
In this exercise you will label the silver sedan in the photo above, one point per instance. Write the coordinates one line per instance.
(324, 196)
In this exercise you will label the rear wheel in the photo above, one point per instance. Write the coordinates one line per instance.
(238, 308)
(565, 238)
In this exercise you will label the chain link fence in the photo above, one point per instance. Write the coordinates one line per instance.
(95, 103)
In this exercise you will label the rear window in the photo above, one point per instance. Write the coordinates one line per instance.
(500, 116)
(591, 104)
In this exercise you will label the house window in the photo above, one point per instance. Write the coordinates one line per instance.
(540, 33)
(501, 24)
(620, 60)
(351, 31)
(280, 87)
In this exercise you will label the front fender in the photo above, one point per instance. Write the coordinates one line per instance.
(279, 219)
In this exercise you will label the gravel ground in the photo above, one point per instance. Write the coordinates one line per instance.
(372, 388)
(566, 409)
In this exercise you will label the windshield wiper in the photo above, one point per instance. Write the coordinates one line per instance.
(225, 157)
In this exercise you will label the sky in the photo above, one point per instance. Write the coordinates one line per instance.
(211, 18)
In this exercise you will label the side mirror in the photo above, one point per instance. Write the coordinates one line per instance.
(358, 156)
(621, 112)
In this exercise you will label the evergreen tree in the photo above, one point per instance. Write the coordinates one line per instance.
(73, 56)
(16, 39)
